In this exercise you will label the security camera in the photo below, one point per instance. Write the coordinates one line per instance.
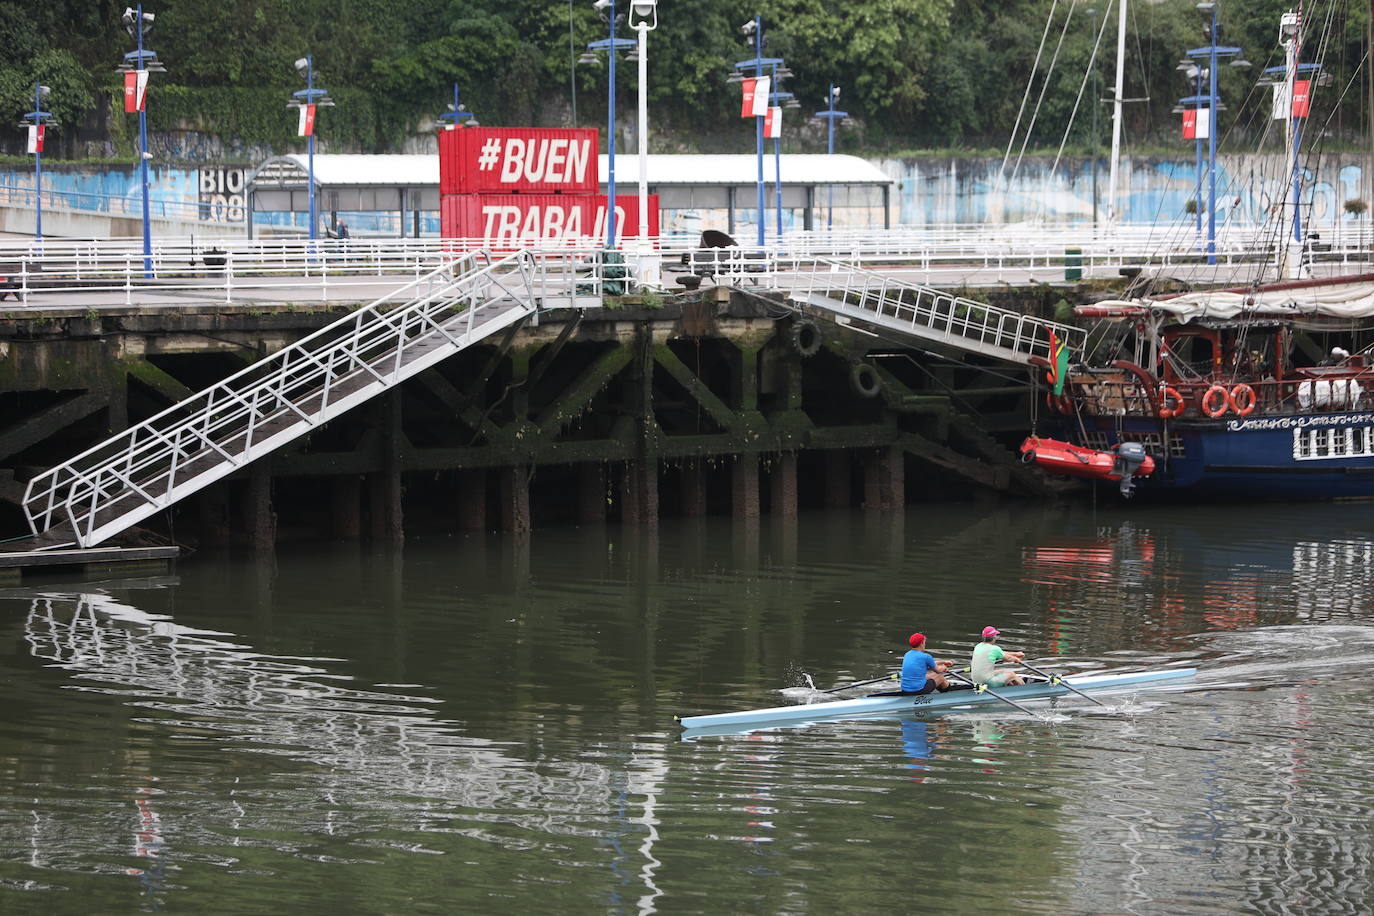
(302, 65)
(601, 5)
(748, 27)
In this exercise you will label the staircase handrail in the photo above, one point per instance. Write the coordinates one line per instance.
(933, 308)
(199, 418)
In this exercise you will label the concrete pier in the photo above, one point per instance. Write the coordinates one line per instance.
(692, 407)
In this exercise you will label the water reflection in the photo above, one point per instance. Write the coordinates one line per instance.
(375, 761)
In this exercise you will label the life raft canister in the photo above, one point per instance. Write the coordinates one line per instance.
(1216, 401)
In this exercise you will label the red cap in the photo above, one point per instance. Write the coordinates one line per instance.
(989, 632)
(916, 640)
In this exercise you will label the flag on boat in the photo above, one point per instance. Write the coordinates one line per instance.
(305, 126)
(1059, 364)
(36, 132)
(756, 90)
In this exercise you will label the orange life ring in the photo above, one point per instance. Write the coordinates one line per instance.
(1241, 400)
(1216, 400)
(1165, 411)
(1060, 402)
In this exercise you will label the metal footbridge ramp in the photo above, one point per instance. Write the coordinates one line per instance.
(148, 467)
(891, 306)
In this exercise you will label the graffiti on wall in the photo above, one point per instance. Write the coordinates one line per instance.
(222, 197)
(1250, 188)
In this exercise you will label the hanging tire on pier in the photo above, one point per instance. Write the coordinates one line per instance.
(805, 337)
(1216, 401)
(864, 380)
(1241, 400)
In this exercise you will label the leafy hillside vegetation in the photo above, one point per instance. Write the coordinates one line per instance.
(916, 74)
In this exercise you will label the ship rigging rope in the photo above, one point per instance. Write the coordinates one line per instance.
(1044, 86)
(1073, 115)
(1025, 97)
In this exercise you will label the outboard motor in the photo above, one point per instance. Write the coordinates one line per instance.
(1129, 457)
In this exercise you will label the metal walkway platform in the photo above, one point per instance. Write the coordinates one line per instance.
(208, 436)
(844, 293)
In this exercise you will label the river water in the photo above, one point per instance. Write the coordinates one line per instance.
(486, 724)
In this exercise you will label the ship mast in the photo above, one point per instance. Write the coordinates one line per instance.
(1290, 251)
(1117, 99)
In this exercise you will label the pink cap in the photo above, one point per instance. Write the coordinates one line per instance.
(989, 632)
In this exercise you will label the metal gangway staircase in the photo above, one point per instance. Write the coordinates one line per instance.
(900, 310)
(148, 467)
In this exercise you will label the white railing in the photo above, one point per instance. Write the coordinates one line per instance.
(185, 448)
(848, 292)
(77, 273)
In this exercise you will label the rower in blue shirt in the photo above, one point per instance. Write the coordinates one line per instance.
(921, 672)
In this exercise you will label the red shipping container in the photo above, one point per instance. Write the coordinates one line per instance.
(508, 218)
(505, 160)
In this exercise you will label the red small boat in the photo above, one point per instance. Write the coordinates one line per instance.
(1122, 462)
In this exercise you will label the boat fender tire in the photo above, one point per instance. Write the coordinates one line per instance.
(805, 338)
(1167, 409)
(1215, 401)
(1241, 400)
(1060, 402)
(864, 381)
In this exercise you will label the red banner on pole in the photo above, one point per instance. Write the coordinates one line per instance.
(1302, 97)
(772, 123)
(135, 90)
(305, 126)
(1197, 123)
(755, 100)
(36, 132)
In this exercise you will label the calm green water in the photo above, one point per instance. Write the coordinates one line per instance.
(480, 725)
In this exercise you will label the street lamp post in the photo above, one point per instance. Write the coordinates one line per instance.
(36, 120)
(1196, 74)
(610, 45)
(831, 115)
(138, 64)
(776, 97)
(644, 19)
(458, 114)
(307, 100)
(753, 33)
(1212, 53)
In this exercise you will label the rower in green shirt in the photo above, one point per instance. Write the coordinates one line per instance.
(986, 655)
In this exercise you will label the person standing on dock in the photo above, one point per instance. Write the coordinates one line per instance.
(986, 655)
(921, 673)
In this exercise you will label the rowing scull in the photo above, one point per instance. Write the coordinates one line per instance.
(952, 701)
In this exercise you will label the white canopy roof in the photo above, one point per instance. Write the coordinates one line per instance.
(418, 171)
(1338, 299)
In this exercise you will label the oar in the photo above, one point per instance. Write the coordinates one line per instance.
(1059, 681)
(890, 677)
(887, 677)
(983, 688)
